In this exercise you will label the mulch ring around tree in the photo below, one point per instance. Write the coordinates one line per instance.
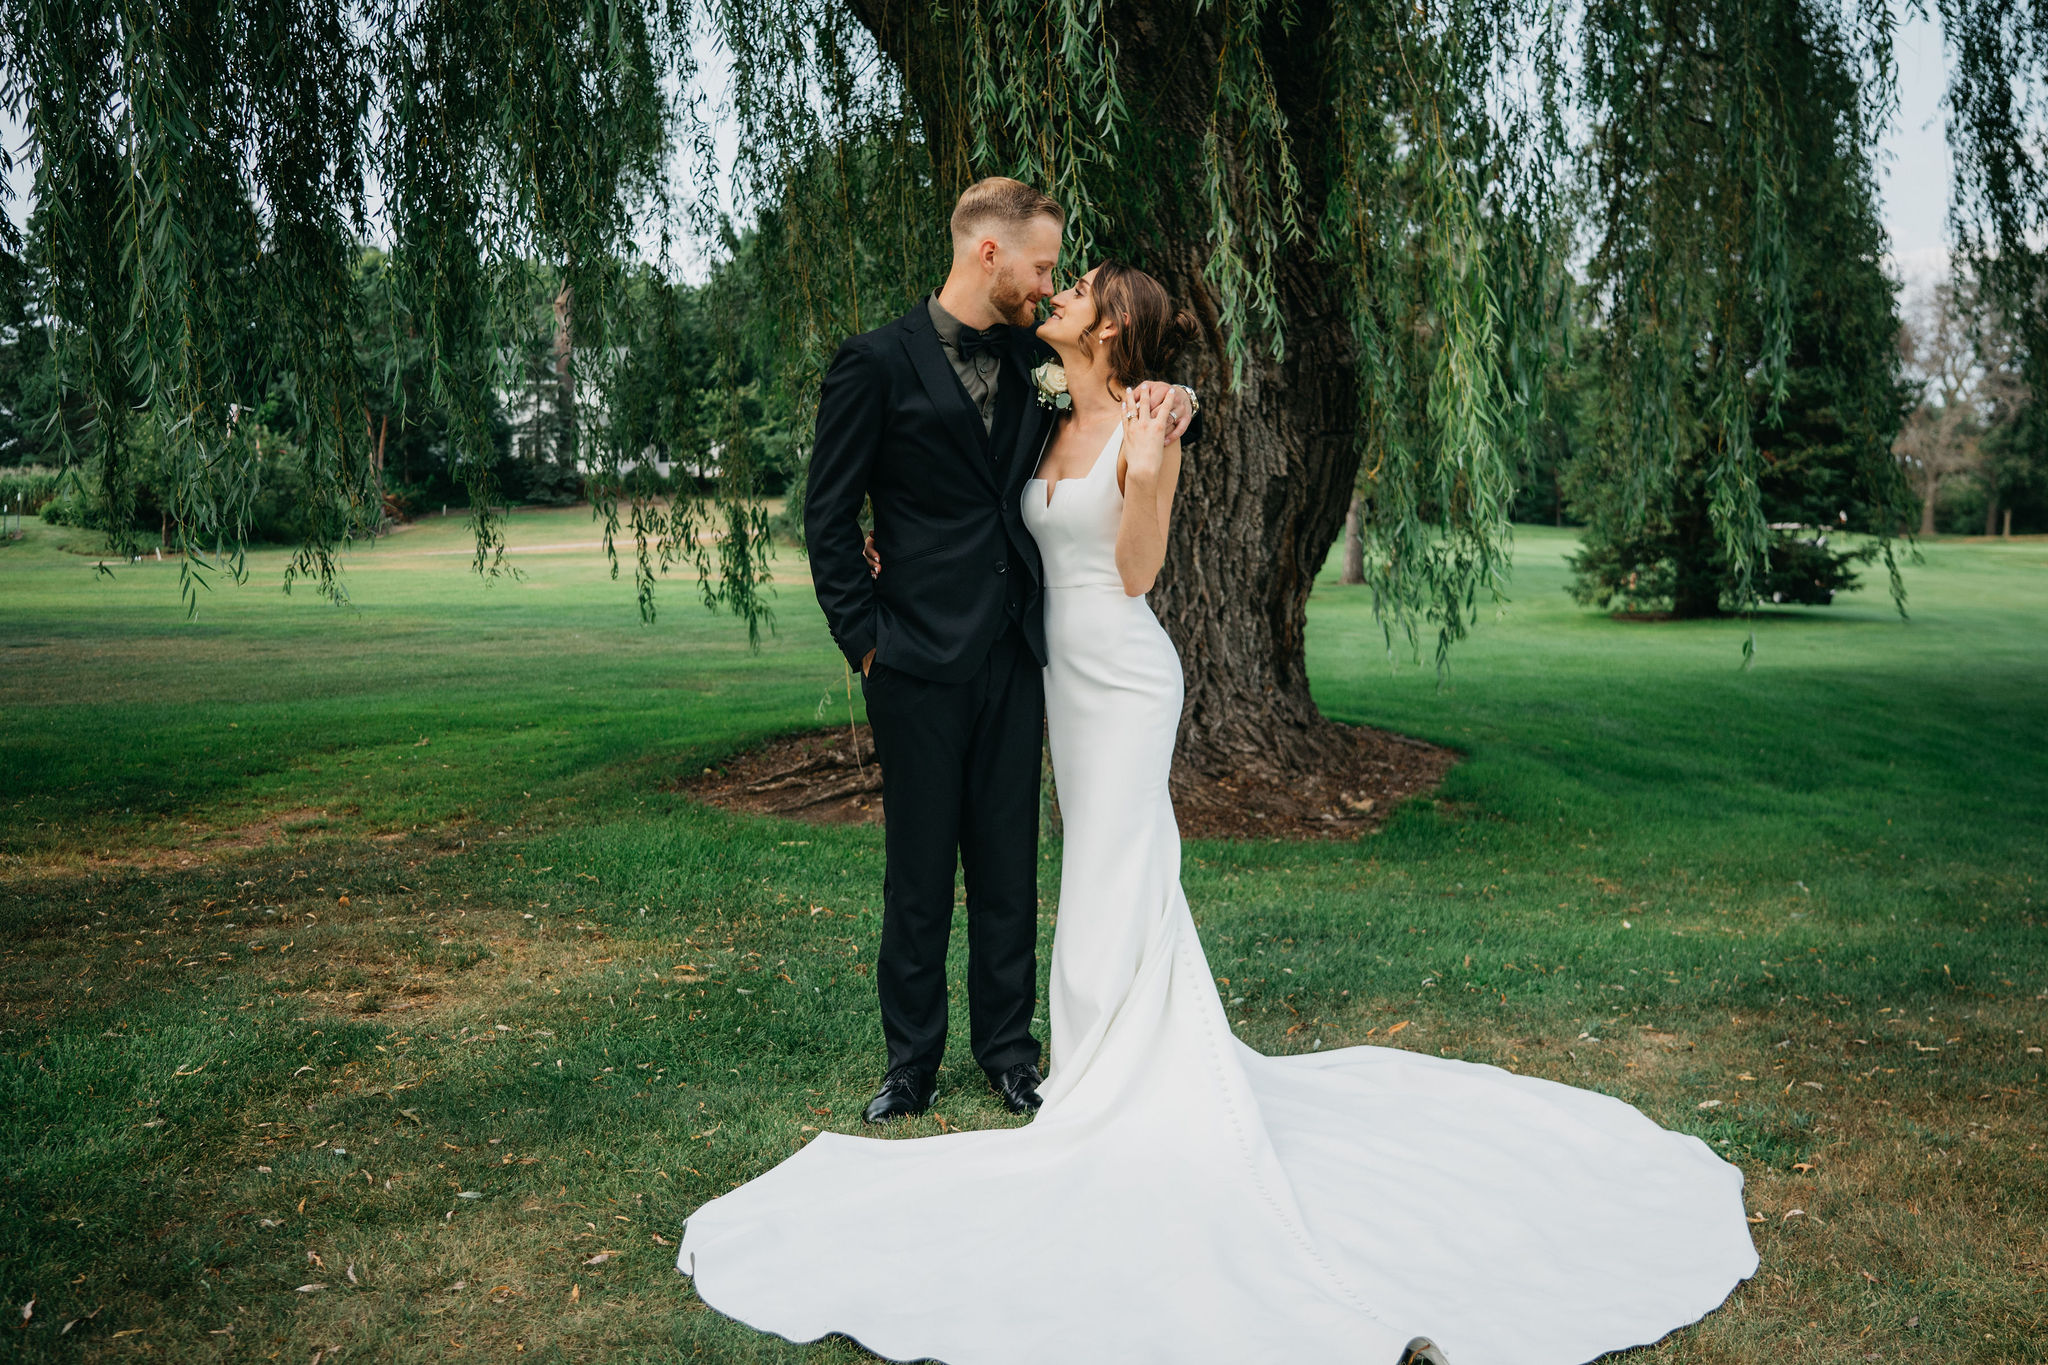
(831, 777)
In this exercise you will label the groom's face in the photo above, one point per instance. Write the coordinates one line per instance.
(1024, 259)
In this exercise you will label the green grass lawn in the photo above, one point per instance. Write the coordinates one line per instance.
(368, 991)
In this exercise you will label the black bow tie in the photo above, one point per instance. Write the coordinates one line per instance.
(973, 341)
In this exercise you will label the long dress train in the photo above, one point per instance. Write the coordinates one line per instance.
(1181, 1198)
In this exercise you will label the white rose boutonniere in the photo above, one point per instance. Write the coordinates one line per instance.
(1051, 381)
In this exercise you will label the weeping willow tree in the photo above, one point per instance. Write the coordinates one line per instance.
(1998, 127)
(1366, 204)
(1748, 351)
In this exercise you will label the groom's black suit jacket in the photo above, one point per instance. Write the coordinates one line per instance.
(896, 427)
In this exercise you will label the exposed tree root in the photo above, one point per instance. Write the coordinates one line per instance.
(1360, 776)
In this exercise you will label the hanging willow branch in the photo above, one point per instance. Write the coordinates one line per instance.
(1998, 106)
(1385, 188)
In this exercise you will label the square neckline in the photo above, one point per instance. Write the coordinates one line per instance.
(1116, 439)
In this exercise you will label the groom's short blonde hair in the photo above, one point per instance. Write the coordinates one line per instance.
(1000, 201)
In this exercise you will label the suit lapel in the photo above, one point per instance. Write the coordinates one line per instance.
(935, 373)
(1013, 413)
(1034, 424)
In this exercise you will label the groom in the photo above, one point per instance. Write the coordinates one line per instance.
(933, 420)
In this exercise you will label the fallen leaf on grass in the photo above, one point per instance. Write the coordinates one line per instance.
(1791, 1214)
(601, 1257)
(311, 1288)
(575, 1292)
(1868, 1276)
(28, 1310)
(1708, 1104)
(1397, 1028)
(659, 1240)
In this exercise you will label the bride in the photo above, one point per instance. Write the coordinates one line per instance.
(1181, 1198)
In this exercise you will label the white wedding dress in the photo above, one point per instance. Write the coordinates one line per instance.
(1182, 1199)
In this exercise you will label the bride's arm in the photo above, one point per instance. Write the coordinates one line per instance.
(1150, 469)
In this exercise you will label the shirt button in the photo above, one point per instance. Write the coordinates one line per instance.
(1001, 567)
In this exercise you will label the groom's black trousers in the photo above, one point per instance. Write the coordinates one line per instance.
(960, 776)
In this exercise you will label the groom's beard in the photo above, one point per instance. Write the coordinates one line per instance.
(1012, 300)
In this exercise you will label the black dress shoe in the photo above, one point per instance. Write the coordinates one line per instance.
(1423, 1351)
(1019, 1087)
(903, 1093)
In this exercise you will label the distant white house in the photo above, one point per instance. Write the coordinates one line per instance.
(532, 397)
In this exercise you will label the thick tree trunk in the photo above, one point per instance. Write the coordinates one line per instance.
(1991, 513)
(1929, 487)
(1263, 497)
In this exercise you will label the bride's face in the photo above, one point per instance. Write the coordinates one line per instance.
(1067, 330)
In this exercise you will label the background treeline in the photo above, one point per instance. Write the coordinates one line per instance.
(1898, 414)
(694, 379)
(1926, 380)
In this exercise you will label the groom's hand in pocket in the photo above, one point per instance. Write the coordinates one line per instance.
(867, 661)
(867, 552)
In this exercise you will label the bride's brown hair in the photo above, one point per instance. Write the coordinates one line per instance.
(1150, 330)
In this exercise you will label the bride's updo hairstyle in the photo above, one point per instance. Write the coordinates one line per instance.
(1150, 330)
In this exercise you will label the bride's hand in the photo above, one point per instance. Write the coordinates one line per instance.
(1145, 435)
(1154, 394)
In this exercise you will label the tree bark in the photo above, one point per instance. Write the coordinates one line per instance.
(1930, 487)
(1354, 542)
(1263, 497)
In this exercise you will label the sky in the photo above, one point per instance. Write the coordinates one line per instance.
(1913, 162)
(1913, 170)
